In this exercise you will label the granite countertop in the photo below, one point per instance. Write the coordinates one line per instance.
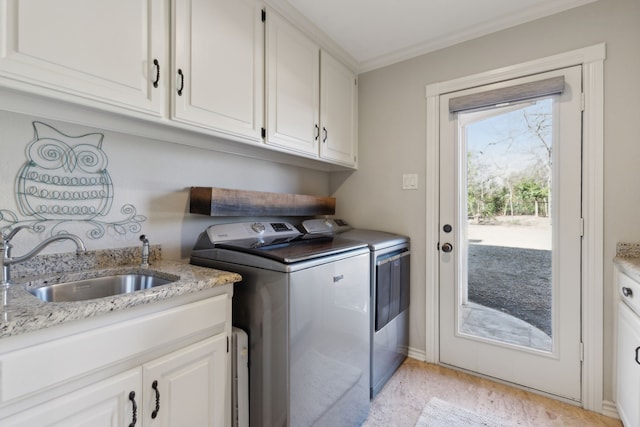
(628, 259)
(27, 313)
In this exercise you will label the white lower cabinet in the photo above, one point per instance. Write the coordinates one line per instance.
(119, 375)
(106, 403)
(187, 388)
(628, 366)
(184, 388)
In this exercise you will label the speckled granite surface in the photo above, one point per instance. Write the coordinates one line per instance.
(628, 250)
(27, 313)
(628, 259)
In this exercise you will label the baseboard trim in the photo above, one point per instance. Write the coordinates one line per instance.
(420, 355)
(610, 409)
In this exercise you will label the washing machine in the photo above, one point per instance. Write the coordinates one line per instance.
(304, 302)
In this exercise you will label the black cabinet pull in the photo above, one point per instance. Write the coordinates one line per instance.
(181, 75)
(638, 355)
(132, 398)
(157, 65)
(154, 386)
(317, 132)
(627, 292)
(325, 134)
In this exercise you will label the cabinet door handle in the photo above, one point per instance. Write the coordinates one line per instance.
(181, 75)
(317, 132)
(154, 386)
(157, 80)
(627, 292)
(325, 134)
(638, 355)
(134, 419)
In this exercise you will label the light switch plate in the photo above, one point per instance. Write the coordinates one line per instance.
(410, 181)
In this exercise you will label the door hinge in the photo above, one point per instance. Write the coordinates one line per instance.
(227, 344)
(582, 101)
(581, 351)
(263, 132)
(581, 227)
(264, 15)
(438, 246)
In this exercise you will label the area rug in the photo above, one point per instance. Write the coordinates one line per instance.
(439, 413)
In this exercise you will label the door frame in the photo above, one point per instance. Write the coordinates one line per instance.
(592, 60)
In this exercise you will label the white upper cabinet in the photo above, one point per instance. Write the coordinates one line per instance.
(208, 66)
(338, 111)
(293, 88)
(217, 65)
(311, 97)
(107, 51)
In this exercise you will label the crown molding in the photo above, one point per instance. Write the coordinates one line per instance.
(486, 28)
(284, 8)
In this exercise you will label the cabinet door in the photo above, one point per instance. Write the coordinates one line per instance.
(90, 49)
(190, 386)
(337, 111)
(106, 403)
(628, 366)
(293, 86)
(218, 65)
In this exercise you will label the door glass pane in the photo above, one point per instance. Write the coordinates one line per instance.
(506, 273)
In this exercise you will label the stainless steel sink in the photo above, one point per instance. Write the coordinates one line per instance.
(98, 287)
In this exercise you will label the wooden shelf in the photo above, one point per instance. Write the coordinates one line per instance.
(226, 202)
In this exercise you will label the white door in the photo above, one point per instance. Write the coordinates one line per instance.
(111, 52)
(293, 88)
(218, 76)
(112, 402)
(338, 93)
(510, 235)
(188, 387)
(628, 366)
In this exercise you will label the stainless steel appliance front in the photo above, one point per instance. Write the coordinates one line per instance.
(390, 287)
(308, 327)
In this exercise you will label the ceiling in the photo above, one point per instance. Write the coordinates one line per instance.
(380, 32)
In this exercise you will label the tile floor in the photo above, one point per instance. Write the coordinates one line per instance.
(402, 399)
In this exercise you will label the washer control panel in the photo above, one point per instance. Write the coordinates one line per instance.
(249, 230)
(325, 226)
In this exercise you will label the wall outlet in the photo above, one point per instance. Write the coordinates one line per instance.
(410, 181)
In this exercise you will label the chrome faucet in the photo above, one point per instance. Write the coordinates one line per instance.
(6, 260)
(145, 251)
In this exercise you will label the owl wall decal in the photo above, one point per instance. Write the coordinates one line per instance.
(64, 177)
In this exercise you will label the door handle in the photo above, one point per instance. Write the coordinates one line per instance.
(447, 247)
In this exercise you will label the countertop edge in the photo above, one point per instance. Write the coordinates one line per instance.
(27, 313)
(629, 266)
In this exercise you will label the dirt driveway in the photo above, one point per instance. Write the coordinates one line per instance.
(514, 232)
(510, 268)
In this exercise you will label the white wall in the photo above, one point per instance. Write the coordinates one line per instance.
(154, 176)
(392, 111)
